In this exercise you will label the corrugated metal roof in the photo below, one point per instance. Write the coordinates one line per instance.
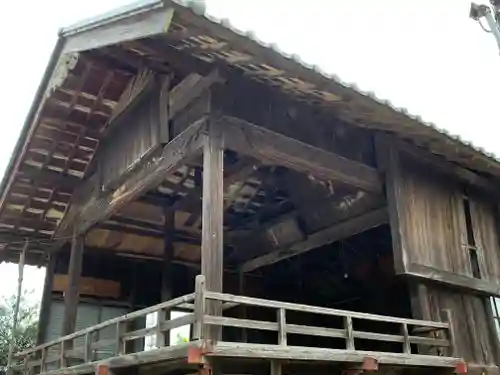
(199, 7)
(196, 5)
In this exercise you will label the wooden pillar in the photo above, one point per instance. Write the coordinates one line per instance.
(167, 276)
(72, 292)
(168, 255)
(15, 318)
(46, 298)
(243, 308)
(388, 163)
(212, 221)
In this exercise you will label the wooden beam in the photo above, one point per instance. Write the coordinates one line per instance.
(47, 176)
(179, 235)
(389, 165)
(89, 286)
(277, 149)
(480, 286)
(138, 87)
(181, 149)
(212, 221)
(72, 293)
(323, 237)
(189, 89)
(446, 167)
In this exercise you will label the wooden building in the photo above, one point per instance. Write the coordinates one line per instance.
(171, 164)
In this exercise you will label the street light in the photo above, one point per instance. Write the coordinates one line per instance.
(492, 16)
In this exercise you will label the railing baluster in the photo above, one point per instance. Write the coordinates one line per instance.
(43, 365)
(160, 335)
(406, 339)
(349, 332)
(446, 316)
(282, 335)
(120, 343)
(199, 307)
(62, 359)
(87, 350)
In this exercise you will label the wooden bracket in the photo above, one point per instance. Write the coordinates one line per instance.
(195, 354)
(461, 367)
(102, 369)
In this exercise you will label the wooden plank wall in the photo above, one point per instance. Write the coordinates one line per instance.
(132, 136)
(485, 226)
(476, 342)
(432, 219)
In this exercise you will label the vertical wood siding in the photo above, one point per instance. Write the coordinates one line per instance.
(485, 225)
(433, 222)
(133, 137)
(476, 341)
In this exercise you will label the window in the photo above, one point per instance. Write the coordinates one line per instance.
(495, 307)
(471, 241)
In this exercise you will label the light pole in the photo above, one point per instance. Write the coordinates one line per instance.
(492, 16)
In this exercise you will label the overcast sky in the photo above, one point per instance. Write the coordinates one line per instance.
(425, 55)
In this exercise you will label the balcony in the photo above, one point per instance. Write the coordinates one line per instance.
(344, 345)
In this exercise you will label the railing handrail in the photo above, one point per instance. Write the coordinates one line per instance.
(133, 315)
(205, 326)
(224, 297)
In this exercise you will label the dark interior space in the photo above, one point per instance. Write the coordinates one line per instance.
(355, 274)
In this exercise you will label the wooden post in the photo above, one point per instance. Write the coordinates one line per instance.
(163, 338)
(199, 307)
(446, 316)
(243, 308)
(349, 333)
(212, 221)
(72, 292)
(22, 259)
(46, 299)
(282, 335)
(388, 163)
(406, 342)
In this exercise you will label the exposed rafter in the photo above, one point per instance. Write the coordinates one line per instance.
(277, 149)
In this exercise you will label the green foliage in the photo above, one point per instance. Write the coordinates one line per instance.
(25, 335)
(181, 339)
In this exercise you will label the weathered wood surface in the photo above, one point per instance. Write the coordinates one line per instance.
(388, 163)
(212, 256)
(471, 284)
(133, 131)
(36, 359)
(46, 299)
(277, 149)
(475, 341)
(88, 286)
(244, 350)
(72, 292)
(337, 232)
(429, 226)
(485, 225)
(181, 149)
(103, 32)
(450, 169)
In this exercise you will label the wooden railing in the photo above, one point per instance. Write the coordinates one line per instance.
(427, 335)
(79, 349)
